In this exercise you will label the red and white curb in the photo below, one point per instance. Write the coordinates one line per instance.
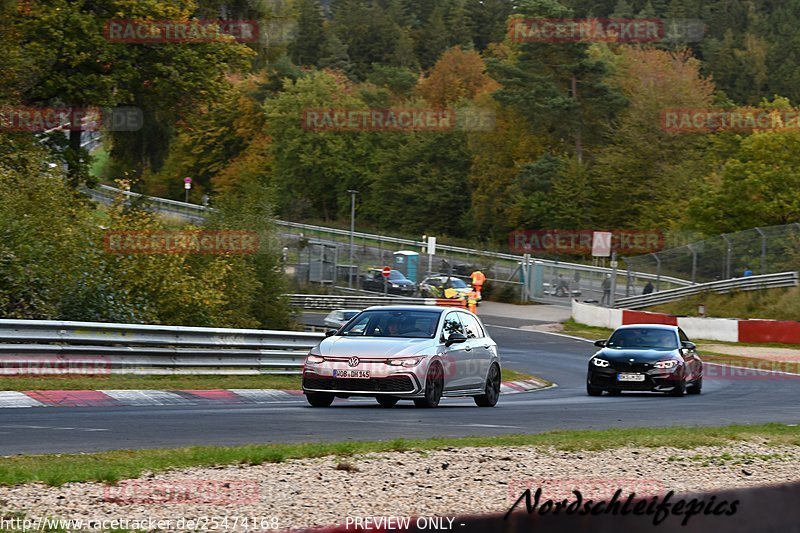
(143, 398)
(528, 385)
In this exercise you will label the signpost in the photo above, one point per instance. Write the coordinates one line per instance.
(387, 271)
(431, 252)
(187, 185)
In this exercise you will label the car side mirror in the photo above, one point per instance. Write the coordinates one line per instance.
(600, 344)
(331, 332)
(455, 338)
(686, 345)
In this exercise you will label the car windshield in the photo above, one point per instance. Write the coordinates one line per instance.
(457, 283)
(397, 323)
(643, 338)
(396, 276)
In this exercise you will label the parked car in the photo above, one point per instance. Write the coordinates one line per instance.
(645, 357)
(398, 353)
(340, 317)
(437, 285)
(396, 284)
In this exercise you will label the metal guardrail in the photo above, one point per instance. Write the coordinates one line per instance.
(34, 346)
(751, 283)
(327, 302)
(193, 212)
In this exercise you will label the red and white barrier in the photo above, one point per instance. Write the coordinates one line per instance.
(714, 329)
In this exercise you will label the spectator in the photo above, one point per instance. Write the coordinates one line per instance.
(747, 272)
(606, 300)
(562, 287)
(648, 289)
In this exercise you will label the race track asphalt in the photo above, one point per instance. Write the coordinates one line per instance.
(744, 398)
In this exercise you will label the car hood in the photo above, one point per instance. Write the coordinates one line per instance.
(338, 346)
(403, 282)
(640, 356)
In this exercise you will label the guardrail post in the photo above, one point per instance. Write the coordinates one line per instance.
(763, 251)
(694, 263)
(726, 266)
(658, 271)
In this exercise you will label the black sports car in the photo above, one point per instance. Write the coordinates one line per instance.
(645, 357)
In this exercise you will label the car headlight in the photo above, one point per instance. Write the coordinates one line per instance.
(666, 364)
(407, 362)
(395, 285)
(602, 363)
(313, 359)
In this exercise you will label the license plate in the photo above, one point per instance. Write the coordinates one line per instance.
(351, 374)
(630, 377)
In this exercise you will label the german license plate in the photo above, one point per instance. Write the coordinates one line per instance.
(630, 377)
(351, 374)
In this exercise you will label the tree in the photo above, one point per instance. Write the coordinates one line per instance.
(306, 49)
(757, 186)
(645, 171)
(559, 87)
(74, 65)
(458, 75)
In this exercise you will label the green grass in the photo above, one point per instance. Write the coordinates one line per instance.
(112, 466)
(775, 304)
(586, 332)
(124, 382)
(100, 162)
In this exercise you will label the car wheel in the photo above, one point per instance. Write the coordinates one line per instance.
(319, 399)
(593, 391)
(387, 401)
(492, 389)
(434, 385)
(696, 387)
(679, 390)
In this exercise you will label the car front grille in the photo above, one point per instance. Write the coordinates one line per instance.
(620, 366)
(389, 384)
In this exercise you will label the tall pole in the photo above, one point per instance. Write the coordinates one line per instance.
(353, 194)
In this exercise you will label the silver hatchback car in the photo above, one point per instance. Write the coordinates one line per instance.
(394, 353)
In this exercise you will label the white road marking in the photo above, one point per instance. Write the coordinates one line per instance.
(56, 428)
(543, 332)
(493, 426)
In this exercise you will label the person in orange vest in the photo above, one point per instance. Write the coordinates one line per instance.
(478, 279)
(472, 301)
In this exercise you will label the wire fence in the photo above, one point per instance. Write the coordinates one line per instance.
(755, 251)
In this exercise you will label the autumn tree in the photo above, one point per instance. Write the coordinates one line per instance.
(458, 75)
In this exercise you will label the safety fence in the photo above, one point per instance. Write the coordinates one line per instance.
(750, 283)
(505, 272)
(55, 347)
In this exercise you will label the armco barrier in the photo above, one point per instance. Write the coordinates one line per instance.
(751, 283)
(713, 329)
(771, 508)
(44, 346)
(331, 302)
